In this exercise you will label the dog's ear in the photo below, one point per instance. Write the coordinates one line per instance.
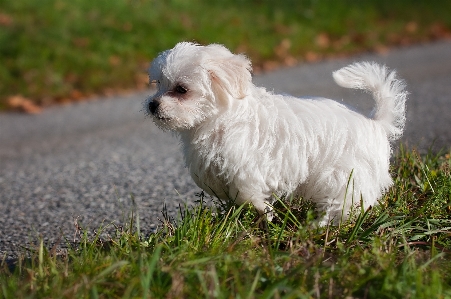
(229, 72)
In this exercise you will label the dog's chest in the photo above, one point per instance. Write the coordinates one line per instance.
(207, 168)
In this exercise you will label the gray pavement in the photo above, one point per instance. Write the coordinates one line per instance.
(87, 161)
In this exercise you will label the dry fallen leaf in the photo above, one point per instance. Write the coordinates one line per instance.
(312, 56)
(381, 49)
(411, 27)
(114, 60)
(23, 104)
(322, 40)
(282, 49)
(76, 94)
(290, 61)
(270, 65)
(439, 30)
(5, 20)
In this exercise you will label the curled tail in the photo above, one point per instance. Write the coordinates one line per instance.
(388, 92)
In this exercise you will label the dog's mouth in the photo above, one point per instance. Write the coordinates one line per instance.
(161, 118)
(155, 113)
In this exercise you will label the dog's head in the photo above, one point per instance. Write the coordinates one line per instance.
(195, 83)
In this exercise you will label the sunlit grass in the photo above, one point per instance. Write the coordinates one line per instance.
(400, 249)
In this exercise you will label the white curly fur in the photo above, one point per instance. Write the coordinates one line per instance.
(244, 143)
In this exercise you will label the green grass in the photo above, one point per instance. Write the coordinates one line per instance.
(55, 51)
(400, 249)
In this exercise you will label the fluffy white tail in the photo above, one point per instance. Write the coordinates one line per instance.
(388, 91)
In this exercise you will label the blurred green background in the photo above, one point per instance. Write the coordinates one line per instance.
(59, 50)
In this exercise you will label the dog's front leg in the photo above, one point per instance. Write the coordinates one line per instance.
(259, 200)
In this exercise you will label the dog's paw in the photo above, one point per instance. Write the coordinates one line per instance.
(269, 214)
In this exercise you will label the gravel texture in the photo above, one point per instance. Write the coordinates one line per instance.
(95, 161)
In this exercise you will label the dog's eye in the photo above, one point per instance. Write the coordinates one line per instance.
(180, 89)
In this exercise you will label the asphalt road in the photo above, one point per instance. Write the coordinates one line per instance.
(87, 161)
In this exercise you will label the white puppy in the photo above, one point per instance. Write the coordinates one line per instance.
(244, 143)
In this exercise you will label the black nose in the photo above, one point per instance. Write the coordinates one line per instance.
(153, 106)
